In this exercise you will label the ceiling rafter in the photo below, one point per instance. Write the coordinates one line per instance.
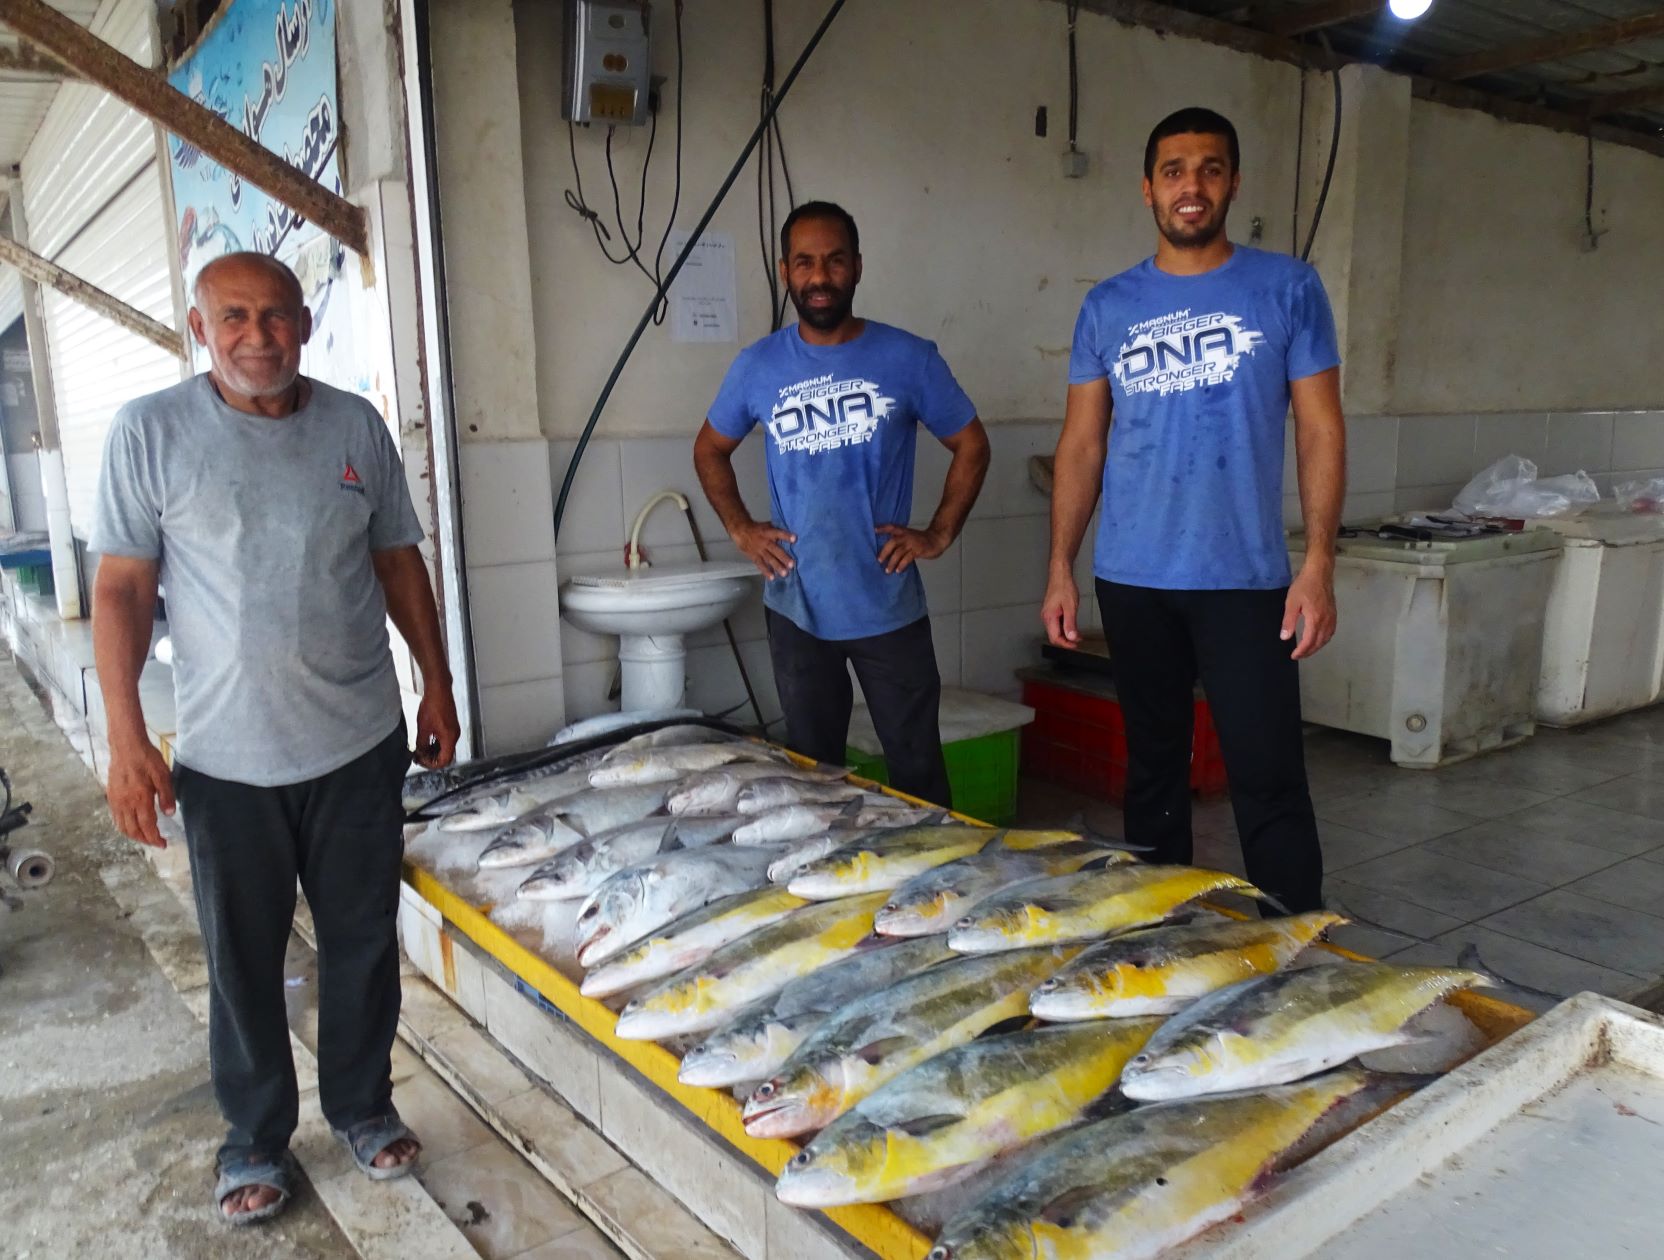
(1528, 52)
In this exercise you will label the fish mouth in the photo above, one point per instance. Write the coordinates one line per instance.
(1157, 1084)
(808, 1187)
(710, 1071)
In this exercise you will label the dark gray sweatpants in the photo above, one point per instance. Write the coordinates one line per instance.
(341, 836)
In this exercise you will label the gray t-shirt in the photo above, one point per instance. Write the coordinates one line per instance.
(264, 530)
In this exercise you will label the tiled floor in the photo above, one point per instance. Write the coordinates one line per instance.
(1546, 858)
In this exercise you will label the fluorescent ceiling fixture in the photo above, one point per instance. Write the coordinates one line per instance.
(1409, 10)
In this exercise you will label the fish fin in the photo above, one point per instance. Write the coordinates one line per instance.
(1062, 1210)
(1015, 1024)
(1259, 894)
(874, 1051)
(1102, 864)
(923, 1126)
(1469, 958)
(1077, 822)
(1104, 1106)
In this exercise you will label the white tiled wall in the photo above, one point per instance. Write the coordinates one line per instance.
(993, 576)
(513, 604)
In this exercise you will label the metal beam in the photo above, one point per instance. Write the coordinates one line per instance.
(1624, 102)
(1314, 17)
(1549, 47)
(1168, 20)
(157, 99)
(27, 59)
(45, 271)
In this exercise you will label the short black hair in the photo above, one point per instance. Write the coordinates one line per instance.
(1194, 121)
(819, 210)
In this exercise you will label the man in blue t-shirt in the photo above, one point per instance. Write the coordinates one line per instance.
(839, 398)
(1199, 352)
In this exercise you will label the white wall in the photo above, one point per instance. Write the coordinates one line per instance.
(918, 115)
(1503, 308)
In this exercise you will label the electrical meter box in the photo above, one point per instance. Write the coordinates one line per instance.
(606, 76)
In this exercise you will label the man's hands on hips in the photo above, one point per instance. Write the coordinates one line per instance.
(1311, 606)
(139, 781)
(759, 542)
(907, 545)
(437, 728)
(1060, 609)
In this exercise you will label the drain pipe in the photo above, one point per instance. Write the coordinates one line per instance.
(676, 267)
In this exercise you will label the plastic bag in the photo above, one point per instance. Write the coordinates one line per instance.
(1510, 488)
(1646, 495)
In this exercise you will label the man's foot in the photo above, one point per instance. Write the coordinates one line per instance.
(402, 1152)
(249, 1199)
(254, 1188)
(382, 1147)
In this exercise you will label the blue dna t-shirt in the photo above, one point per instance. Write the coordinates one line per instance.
(1199, 370)
(839, 424)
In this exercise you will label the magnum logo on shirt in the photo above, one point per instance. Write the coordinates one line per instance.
(825, 413)
(1178, 352)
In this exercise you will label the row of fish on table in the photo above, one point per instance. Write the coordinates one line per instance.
(1113, 1067)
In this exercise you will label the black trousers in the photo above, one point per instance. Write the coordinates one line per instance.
(900, 682)
(1161, 641)
(341, 836)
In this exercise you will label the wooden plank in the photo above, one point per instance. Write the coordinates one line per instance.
(1549, 48)
(1314, 17)
(157, 99)
(1624, 102)
(1168, 20)
(45, 271)
(1459, 96)
(27, 59)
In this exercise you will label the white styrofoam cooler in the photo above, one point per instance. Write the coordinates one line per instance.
(1439, 645)
(1603, 643)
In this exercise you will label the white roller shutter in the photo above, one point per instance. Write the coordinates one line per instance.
(11, 298)
(92, 193)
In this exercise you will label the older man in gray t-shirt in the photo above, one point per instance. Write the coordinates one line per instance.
(273, 511)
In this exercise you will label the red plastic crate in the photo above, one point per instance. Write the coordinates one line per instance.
(1079, 740)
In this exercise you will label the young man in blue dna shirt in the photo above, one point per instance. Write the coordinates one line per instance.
(1198, 354)
(838, 398)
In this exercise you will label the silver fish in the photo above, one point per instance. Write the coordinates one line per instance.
(777, 793)
(579, 870)
(715, 791)
(667, 765)
(799, 822)
(753, 1047)
(603, 809)
(499, 803)
(535, 838)
(935, 900)
(643, 898)
(803, 852)
(669, 737)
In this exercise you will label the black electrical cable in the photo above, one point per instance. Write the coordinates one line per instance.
(1328, 174)
(1299, 167)
(1074, 75)
(1591, 235)
(676, 196)
(681, 259)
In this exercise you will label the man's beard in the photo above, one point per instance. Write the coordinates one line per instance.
(251, 387)
(824, 318)
(1183, 236)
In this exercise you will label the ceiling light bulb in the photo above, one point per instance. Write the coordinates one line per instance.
(1409, 10)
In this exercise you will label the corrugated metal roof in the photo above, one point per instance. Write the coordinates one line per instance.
(1459, 28)
(25, 97)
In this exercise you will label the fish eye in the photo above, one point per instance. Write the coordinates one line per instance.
(1047, 986)
(1140, 1059)
(765, 1090)
(963, 923)
(800, 1160)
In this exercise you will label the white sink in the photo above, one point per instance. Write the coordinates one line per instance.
(651, 610)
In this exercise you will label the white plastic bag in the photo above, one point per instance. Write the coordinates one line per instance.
(1646, 495)
(1510, 488)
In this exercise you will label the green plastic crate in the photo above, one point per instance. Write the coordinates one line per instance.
(981, 771)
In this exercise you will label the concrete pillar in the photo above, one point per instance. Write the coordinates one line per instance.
(66, 569)
(506, 496)
(1360, 240)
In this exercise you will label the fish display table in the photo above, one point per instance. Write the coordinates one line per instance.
(503, 961)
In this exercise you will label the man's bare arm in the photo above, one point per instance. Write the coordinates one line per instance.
(404, 580)
(713, 461)
(123, 612)
(1320, 451)
(959, 491)
(1077, 479)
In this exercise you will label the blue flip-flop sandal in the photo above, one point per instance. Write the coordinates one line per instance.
(369, 1138)
(255, 1170)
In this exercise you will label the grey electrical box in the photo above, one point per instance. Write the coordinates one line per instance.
(606, 74)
